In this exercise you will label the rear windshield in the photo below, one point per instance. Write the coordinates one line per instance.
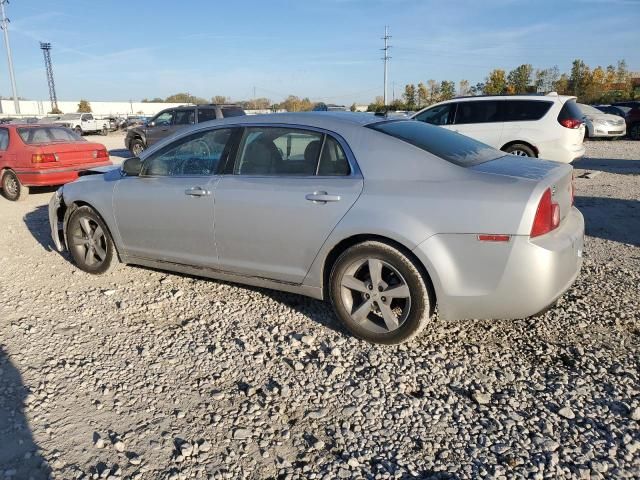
(35, 135)
(450, 146)
(232, 112)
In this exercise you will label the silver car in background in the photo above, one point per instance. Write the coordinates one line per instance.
(600, 124)
(384, 218)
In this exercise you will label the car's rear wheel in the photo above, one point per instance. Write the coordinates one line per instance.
(137, 147)
(379, 294)
(78, 130)
(12, 188)
(520, 149)
(90, 242)
(105, 131)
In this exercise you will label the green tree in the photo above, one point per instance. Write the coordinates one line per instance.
(185, 98)
(495, 83)
(545, 79)
(409, 96)
(84, 107)
(219, 99)
(447, 90)
(477, 89)
(519, 78)
(562, 85)
(422, 95)
(580, 78)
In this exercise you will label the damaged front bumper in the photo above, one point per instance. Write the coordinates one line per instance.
(54, 220)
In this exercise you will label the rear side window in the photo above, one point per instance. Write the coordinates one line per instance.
(478, 111)
(440, 115)
(524, 110)
(185, 117)
(33, 136)
(450, 146)
(206, 114)
(232, 112)
(333, 161)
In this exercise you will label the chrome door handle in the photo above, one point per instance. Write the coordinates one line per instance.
(322, 197)
(196, 192)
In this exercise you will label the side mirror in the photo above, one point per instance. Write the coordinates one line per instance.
(132, 166)
(151, 124)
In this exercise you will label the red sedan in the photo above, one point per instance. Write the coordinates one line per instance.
(37, 155)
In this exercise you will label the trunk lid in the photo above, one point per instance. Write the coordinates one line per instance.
(68, 154)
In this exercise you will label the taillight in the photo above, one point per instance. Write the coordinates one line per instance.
(571, 122)
(43, 157)
(102, 153)
(547, 215)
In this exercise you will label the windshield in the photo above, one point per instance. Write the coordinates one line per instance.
(37, 135)
(70, 116)
(588, 109)
(450, 146)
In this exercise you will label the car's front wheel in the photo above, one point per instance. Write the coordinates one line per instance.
(90, 242)
(137, 147)
(12, 187)
(78, 130)
(104, 131)
(379, 294)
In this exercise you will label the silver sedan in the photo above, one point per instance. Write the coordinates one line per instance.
(384, 218)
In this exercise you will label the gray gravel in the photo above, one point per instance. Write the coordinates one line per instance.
(146, 374)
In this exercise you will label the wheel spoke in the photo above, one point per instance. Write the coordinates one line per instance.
(375, 270)
(100, 253)
(97, 234)
(86, 227)
(390, 320)
(362, 311)
(399, 291)
(80, 240)
(352, 283)
(88, 256)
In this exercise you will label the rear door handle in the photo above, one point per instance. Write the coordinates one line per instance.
(196, 192)
(322, 197)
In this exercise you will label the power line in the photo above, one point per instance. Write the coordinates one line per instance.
(46, 50)
(5, 27)
(386, 59)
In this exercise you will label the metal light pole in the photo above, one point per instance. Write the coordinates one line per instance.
(386, 60)
(5, 29)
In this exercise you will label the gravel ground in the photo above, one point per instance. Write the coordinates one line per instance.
(146, 374)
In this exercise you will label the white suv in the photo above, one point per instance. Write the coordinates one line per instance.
(549, 126)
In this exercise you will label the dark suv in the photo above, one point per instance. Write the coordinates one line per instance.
(632, 117)
(169, 121)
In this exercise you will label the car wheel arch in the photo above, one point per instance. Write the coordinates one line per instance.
(72, 207)
(348, 242)
(521, 142)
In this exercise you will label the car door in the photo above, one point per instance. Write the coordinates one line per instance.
(159, 127)
(480, 120)
(87, 122)
(166, 213)
(289, 187)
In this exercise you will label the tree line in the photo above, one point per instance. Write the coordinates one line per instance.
(597, 85)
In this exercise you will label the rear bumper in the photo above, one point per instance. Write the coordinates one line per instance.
(54, 175)
(515, 279)
(559, 153)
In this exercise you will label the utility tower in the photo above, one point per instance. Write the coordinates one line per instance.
(46, 50)
(386, 58)
(4, 24)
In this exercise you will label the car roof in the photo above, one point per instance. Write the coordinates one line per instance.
(317, 119)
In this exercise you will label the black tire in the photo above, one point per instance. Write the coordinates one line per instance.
(104, 131)
(412, 313)
(12, 188)
(520, 149)
(78, 130)
(90, 242)
(137, 147)
(586, 133)
(634, 131)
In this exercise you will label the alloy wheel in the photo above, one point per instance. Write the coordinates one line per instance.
(11, 186)
(376, 295)
(89, 242)
(519, 153)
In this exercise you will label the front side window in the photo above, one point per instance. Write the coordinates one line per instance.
(185, 117)
(196, 155)
(4, 139)
(275, 151)
(439, 115)
(526, 110)
(164, 119)
(206, 114)
(478, 111)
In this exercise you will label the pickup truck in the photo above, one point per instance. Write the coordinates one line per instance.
(83, 123)
(169, 121)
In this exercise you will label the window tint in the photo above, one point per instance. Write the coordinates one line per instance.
(164, 119)
(206, 114)
(478, 111)
(569, 110)
(333, 161)
(524, 110)
(278, 151)
(197, 154)
(232, 112)
(36, 135)
(439, 115)
(4, 138)
(87, 117)
(450, 146)
(185, 117)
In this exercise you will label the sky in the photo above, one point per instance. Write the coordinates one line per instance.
(327, 50)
